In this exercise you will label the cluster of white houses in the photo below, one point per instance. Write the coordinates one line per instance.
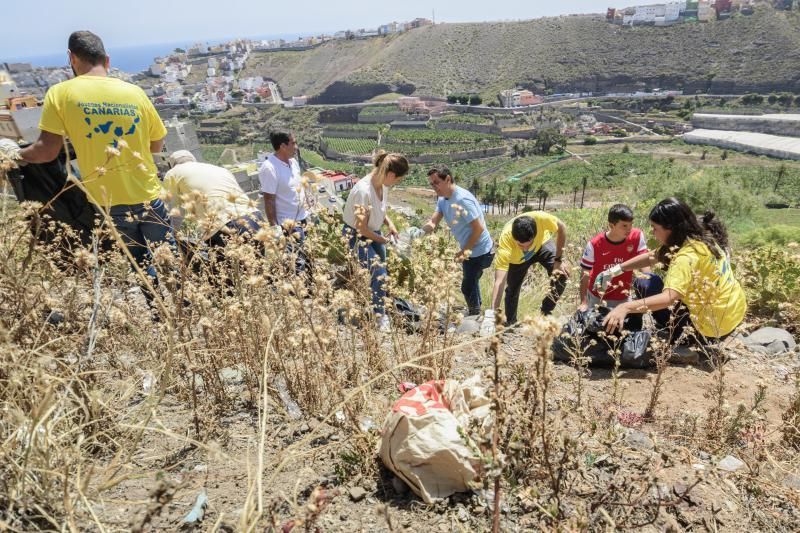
(673, 12)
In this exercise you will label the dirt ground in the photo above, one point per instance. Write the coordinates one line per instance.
(378, 502)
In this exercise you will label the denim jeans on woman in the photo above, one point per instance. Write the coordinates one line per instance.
(372, 256)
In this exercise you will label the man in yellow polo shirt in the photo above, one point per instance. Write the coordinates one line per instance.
(525, 240)
(114, 129)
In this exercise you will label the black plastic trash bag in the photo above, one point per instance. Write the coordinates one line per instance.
(408, 314)
(47, 183)
(584, 336)
(407, 311)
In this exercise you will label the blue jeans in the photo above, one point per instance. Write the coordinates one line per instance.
(470, 284)
(247, 224)
(650, 285)
(295, 239)
(373, 257)
(516, 275)
(644, 285)
(143, 226)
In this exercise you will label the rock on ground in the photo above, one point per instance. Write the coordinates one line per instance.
(729, 463)
(469, 326)
(357, 494)
(638, 439)
(773, 341)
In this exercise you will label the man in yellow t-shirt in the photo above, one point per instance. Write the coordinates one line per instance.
(525, 240)
(114, 129)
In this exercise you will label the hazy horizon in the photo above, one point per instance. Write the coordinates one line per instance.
(184, 21)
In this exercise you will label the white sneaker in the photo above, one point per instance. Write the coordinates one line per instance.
(384, 324)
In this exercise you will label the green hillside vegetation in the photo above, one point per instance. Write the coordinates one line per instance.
(466, 118)
(560, 54)
(436, 136)
(346, 145)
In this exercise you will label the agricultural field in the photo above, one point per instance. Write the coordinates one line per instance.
(355, 146)
(414, 136)
(316, 159)
(378, 110)
(465, 118)
(415, 149)
(361, 128)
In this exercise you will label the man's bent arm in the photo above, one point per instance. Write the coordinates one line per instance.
(270, 209)
(44, 150)
(561, 239)
(477, 231)
(156, 146)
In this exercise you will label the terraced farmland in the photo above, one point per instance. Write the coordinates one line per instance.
(350, 146)
(431, 136)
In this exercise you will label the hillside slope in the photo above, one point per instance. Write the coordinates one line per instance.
(561, 54)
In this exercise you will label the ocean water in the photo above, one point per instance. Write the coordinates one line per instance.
(131, 59)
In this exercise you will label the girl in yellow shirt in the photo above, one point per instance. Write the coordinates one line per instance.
(699, 275)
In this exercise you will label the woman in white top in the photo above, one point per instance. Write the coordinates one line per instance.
(364, 215)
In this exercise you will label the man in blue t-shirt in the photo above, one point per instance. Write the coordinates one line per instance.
(464, 216)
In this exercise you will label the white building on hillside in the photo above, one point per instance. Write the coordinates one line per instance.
(705, 11)
(251, 83)
(673, 11)
(8, 89)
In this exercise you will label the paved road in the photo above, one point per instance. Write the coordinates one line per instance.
(274, 93)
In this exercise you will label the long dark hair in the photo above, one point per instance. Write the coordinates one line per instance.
(676, 216)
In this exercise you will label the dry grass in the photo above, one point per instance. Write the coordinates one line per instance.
(103, 413)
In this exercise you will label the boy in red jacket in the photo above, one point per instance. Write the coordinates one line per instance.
(609, 248)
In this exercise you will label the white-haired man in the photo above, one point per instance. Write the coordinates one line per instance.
(212, 196)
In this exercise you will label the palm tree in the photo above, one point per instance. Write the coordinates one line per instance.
(501, 202)
(526, 189)
(541, 196)
(475, 187)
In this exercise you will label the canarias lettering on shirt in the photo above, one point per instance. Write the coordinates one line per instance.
(106, 108)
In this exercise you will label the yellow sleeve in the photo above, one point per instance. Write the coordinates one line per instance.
(680, 275)
(504, 252)
(546, 223)
(51, 120)
(156, 129)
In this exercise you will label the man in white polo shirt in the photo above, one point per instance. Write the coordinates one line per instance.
(284, 196)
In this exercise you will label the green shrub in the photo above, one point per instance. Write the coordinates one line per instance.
(771, 279)
(703, 191)
(590, 140)
(778, 235)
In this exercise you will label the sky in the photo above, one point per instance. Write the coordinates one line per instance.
(42, 27)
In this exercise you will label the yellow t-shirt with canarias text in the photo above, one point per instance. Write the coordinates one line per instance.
(110, 123)
(716, 301)
(509, 252)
